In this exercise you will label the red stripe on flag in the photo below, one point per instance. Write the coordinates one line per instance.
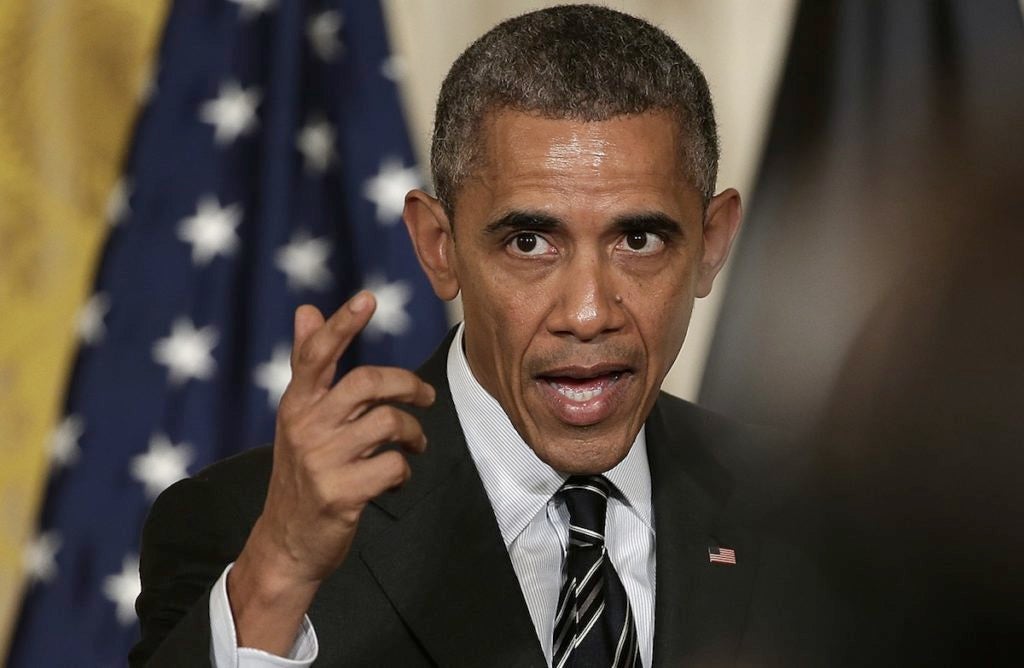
(721, 555)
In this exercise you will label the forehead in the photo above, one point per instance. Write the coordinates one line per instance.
(566, 161)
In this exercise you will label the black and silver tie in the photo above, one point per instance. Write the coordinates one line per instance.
(594, 623)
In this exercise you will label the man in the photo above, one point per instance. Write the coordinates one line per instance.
(528, 497)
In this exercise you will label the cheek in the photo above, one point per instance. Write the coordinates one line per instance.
(505, 303)
(510, 312)
(662, 315)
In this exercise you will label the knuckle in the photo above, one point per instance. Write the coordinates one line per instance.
(287, 407)
(299, 429)
(323, 497)
(308, 352)
(409, 386)
(365, 379)
(344, 504)
(307, 461)
(292, 433)
(340, 323)
(389, 422)
(413, 382)
(359, 496)
(394, 466)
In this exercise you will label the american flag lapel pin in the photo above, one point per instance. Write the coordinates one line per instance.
(721, 555)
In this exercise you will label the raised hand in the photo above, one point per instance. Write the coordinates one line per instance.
(326, 469)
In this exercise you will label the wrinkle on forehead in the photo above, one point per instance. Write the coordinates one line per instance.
(525, 153)
(580, 148)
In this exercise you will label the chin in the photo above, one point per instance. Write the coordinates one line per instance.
(583, 457)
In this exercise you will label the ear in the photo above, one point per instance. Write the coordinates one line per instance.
(431, 234)
(721, 223)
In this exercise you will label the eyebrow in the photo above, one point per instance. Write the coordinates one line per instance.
(656, 222)
(528, 221)
(523, 221)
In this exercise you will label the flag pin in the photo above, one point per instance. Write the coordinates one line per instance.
(721, 555)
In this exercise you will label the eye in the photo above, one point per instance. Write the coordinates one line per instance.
(529, 244)
(641, 243)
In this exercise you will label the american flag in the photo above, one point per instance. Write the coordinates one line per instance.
(721, 555)
(268, 169)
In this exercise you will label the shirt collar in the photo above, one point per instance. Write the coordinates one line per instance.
(517, 482)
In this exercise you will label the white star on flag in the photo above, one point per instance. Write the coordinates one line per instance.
(123, 588)
(275, 374)
(232, 112)
(89, 322)
(187, 351)
(304, 262)
(393, 68)
(249, 9)
(322, 31)
(40, 557)
(389, 187)
(63, 445)
(211, 231)
(117, 202)
(316, 143)
(162, 465)
(390, 316)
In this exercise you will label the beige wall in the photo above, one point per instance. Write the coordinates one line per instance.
(740, 44)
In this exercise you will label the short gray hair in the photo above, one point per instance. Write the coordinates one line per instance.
(580, 62)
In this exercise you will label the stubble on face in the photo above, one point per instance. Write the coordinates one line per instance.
(576, 256)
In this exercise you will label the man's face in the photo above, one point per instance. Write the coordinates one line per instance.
(578, 249)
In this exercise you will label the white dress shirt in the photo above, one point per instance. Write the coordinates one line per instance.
(533, 524)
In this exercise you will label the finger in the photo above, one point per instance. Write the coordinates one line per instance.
(388, 425)
(308, 319)
(360, 439)
(347, 489)
(315, 358)
(368, 478)
(366, 386)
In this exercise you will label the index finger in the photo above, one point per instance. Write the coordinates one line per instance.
(315, 356)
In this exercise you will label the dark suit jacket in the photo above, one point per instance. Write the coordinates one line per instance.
(428, 580)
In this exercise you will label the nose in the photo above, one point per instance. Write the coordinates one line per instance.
(588, 305)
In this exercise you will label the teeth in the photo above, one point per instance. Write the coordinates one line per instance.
(574, 395)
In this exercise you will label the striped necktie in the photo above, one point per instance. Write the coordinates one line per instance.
(594, 623)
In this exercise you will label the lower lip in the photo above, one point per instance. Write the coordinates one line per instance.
(584, 404)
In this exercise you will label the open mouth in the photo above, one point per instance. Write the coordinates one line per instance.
(584, 395)
(583, 389)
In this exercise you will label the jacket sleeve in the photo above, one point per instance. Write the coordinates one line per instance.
(192, 533)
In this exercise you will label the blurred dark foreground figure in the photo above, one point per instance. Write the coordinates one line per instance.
(923, 450)
(876, 308)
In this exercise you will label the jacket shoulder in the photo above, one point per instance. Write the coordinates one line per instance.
(761, 467)
(724, 436)
(195, 528)
(246, 471)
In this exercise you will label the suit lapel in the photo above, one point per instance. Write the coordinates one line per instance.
(442, 562)
(701, 606)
